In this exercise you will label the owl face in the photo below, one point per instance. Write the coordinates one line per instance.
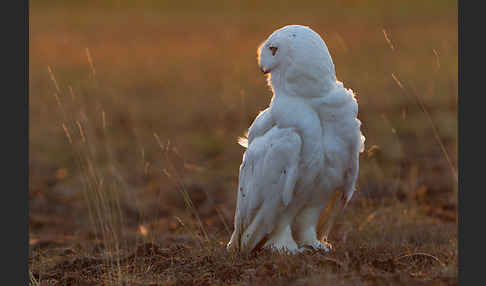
(274, 52)
(300, 57)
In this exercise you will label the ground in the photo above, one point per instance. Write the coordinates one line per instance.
(135, 110)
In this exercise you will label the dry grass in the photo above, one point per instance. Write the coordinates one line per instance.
(134, 114)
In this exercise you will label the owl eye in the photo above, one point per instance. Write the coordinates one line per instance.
(274, 50)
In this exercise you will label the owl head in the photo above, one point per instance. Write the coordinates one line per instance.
(297, 54)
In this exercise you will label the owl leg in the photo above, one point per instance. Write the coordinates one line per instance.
(281, 239)
(305, 228)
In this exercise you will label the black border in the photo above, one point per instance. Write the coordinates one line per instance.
(470, 142)
(14, 120)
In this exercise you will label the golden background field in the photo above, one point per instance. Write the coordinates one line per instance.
(136, 106)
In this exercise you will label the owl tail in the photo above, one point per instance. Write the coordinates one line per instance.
(328, 216)
(251, 237)
(234, 243)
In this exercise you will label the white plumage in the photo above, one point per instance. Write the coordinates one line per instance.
(302, 158)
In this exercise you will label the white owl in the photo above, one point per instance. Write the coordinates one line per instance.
(302, 151)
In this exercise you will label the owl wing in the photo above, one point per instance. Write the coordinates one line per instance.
(267, 178)
(348, 128)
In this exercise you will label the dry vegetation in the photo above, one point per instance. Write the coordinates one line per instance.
(135, 107)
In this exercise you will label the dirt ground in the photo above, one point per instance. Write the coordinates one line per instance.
(135, 110)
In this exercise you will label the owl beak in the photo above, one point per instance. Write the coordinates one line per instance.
(263, 71)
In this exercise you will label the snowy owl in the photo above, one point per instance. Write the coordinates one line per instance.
(301, 163)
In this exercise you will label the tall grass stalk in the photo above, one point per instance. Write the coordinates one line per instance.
(101, 183)
(173, 174)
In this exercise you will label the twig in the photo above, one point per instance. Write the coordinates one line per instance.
(421, 254)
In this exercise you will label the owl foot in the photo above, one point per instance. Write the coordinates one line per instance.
(283, 249)
(283, 242)
(318, 246)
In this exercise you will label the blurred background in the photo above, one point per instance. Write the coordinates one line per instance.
(136, 106)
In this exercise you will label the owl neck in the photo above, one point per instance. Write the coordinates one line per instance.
(302, 84)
